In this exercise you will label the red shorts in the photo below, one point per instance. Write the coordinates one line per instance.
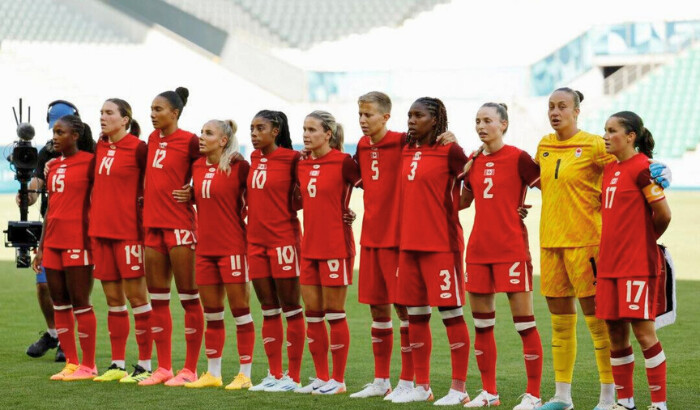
(499, 277)
(326, 272)
(59, 259)
(116, 259)
(378, 267)
(430, 279)
(629, 298)
(280, 262)
(164, 239)
(216, 270)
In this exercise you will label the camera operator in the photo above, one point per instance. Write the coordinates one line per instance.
(49, 339)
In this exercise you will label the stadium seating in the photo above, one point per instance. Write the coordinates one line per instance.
(47, 20)
(668, 101)
(303, 23)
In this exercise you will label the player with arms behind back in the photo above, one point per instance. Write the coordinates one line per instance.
(326, 179)
(219, 179)
(170, 236)
(498, 256)
(431, 244)
(117, 236)
(274, 238)
(64, 248)
(635, 214)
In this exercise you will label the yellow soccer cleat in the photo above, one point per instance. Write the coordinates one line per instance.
(67, 370)
(240, 382)
(113, 373)
(205, 380)
(138, 375)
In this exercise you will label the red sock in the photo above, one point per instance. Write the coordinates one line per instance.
(485, 349)
(317, 336)
(194, 327)
(340, 342)
(245, 335)
(532, 352)
(65, 327)
(215, 335)
(272, 337)
(295, 340)
(458, 336)
(162, 326)
(382, 344)
(142, 328)
(406, 355)
(87, 333)
(655, 361)
(622, 362)
(118, 327)
(421, 343)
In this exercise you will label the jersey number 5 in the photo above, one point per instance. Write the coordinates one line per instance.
(375, 169)
(158, 158)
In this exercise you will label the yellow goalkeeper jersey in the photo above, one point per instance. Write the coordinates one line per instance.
(570, 173)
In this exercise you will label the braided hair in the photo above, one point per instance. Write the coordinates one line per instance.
(436, 108)
(85, 141)
(278, 119)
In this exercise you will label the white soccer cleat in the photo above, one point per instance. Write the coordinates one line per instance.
(266, 383)
(453, 398)
(311, 387)
(417, 394)
(284, 384)
(378, 388)
(484, 399)
(618, 406)
(331, 387)
(403, 387)
(528, 402)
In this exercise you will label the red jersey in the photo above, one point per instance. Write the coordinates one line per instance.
(220, 200)
(168, 169)
(379, 167)
(69, 182)
(499, 182)
(326, 184)
(115, 212)
(272, 220)
(628, 241)
(430, 198)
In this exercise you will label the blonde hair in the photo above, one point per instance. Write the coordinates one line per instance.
(329, 124)
(231, 149)
(382, 100)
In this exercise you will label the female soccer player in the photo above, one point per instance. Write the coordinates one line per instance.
(64, 249)
(117, 244)
(326, 178)
(170, 236)
(274, 237)
(571, 167)
(635, 214)
(219, 179)
(430, 261)
(497, 182)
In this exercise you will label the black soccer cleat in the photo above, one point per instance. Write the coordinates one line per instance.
(60, 356)
(43, 345)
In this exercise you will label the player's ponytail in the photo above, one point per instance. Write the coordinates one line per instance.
(228, 128)
(85, 141)
(631, 122)
(329, 124)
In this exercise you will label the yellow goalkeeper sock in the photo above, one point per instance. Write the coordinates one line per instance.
(601, 342)
(564, 346)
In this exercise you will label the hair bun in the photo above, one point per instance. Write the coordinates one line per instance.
(504, 106)
(233, 125)
(580, 95)
(183, 93)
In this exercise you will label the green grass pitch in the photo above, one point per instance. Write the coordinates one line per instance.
(26, 381)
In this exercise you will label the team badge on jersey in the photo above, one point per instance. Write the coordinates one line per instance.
(578, 152)
(163, 144)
